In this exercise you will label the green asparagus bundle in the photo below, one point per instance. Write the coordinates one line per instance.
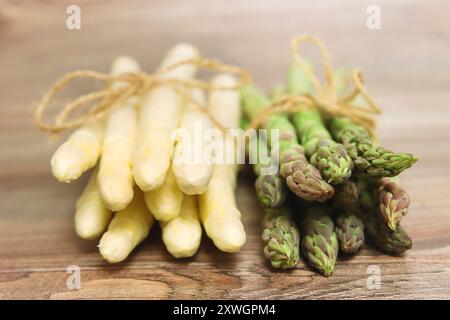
(368, 205)
(281, 238)
(319, 241)
(323, 152)
(387, 240)
(302, 178)
(393, 200)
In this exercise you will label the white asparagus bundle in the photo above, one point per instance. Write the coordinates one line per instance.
(165, 202)
(218, 210)
(115, 178)
(192, 171)
(91, 216)
(159, 117)
(79, 153)
(182, 234)
(127, 229)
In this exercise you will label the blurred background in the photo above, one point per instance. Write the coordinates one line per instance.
(406, 64)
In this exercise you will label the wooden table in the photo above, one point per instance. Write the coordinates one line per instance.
(406, 64)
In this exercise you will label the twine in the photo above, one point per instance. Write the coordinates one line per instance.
(132, 84)
(326, 99)
(135, 84)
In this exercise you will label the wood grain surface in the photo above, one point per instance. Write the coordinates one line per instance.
(406, 65)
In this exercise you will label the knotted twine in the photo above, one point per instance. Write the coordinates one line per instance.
(136, 84)
(326, 99)
(131, 84)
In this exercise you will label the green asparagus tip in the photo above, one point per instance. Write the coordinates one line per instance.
(403, 162)
(302, 178)
(393, 202)
(392, 225)
(319, 241)
(282, 238)
(349, 229)
(338, 173)
(328, 272)
(327, 267)
(333, 162)
(270, 190)
(394, 164)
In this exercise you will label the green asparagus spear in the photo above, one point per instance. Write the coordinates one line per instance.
(270, 188)
(385, 239)
(348, 226)
(345, 193)
(280, 232)
(368, 158)
(394, 202)
(244, 123)
(302, 178)
(329, 157)
(281, 238)
(298, 81)
(278, 91)
(349, 229)
(323, 152)
(319, 241)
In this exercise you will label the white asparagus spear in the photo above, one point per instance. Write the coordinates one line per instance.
(91, 215)
(79, 153)
(127, 229)
(165, 202)
(115, 178)
(182, 234)
(218, 210)
(159, 117)
(192, 171)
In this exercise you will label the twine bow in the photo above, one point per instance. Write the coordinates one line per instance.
(97, 104)
(326, 99)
